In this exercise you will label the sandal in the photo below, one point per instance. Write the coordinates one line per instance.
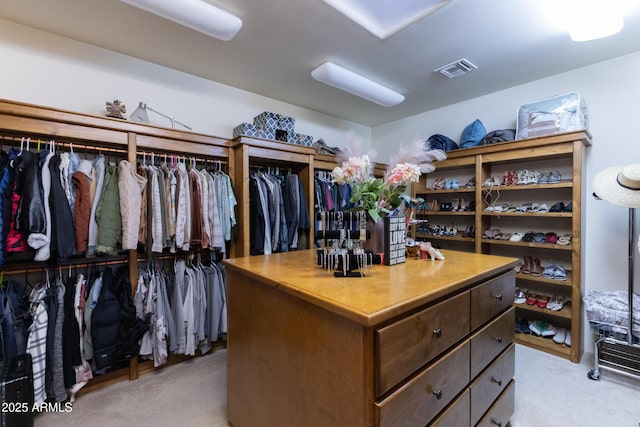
(542, 301)
(532, 299)
(471, 183)
(438, 184)
(564, 239)
(555, 177)
(515, 237)
(559, 273)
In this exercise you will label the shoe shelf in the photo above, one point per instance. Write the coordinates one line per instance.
(496, 163)
(449, 213)
(449, 191)
(565, 313)
(437, 237)
(562, 184)
(544, 344)
(529, 214)
(528, 244)
(564, 283)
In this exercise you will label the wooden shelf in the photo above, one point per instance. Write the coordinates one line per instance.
(565, 313)
(565, 283)
(448, 213)
(561, 184)
(455, 238)
(528, 244)
(545, 344)
(565, 152)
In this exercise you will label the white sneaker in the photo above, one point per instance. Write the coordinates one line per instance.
(567, 339)
(560, 336)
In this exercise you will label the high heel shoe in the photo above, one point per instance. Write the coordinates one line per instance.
(455, 206)
(435, 254)
(463, 205)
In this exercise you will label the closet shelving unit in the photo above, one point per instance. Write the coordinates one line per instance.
(116, 139)
(564, 152)
(260, 154)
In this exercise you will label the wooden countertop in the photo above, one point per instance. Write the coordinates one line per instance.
(384, 293)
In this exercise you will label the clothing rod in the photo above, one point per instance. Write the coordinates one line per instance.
(38, 268)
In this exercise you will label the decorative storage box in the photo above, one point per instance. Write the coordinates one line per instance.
(301, 139)
(270, 120)
(558, 114)
(250, 129)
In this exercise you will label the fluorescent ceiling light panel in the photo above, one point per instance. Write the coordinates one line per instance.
(343, 79)
(383, 18)
(195, 14)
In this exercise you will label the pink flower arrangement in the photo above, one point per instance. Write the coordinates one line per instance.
(382, 197)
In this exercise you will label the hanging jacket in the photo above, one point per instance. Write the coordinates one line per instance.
(115, 328)
(105, 323)
(16, 241)
(30, 217)
(82, 204)
(108, 214)
(4, 182)
(63, 239)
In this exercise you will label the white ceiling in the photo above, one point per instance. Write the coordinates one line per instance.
(281, 41)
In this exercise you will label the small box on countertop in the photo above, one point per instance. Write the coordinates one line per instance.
(271, 120)
(250, 129)
(301, 139)
(558, 114)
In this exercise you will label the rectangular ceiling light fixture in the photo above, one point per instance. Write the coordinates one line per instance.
(195, 14)
(456, 68)
(343, 79)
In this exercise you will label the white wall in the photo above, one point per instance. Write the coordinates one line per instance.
(612, 94)
(46, 69)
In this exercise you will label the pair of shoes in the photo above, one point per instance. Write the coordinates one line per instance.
(515, 237)
(551, 237)
(426, 247)
(451, 184)
(535, 268)
(470, 231)
(509, 178)
(491, 233)
(459, 204)
(562, 336)
(492, 181)
(554, 177)
(434, 205)
(537, 299)
(542, 329)
(446, 206)
(438, 184)
(557, 302)
(521, 296)
(564, 239)
(522, 326)
(471, 183)
(471, 207)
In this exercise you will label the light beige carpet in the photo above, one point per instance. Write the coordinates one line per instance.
(550, 392)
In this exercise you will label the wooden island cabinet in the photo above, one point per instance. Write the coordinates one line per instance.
(415, 344)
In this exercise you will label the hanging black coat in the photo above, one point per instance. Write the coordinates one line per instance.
(63, 236)
(30, 217)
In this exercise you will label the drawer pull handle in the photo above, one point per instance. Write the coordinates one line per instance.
(437, 394)
(437, 333)
(499, 297)
(496, 423)
(499, 382)
(498, 340)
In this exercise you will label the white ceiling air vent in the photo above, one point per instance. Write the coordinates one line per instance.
(456, 69)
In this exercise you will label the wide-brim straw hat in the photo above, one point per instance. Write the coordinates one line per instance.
(619, 185)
